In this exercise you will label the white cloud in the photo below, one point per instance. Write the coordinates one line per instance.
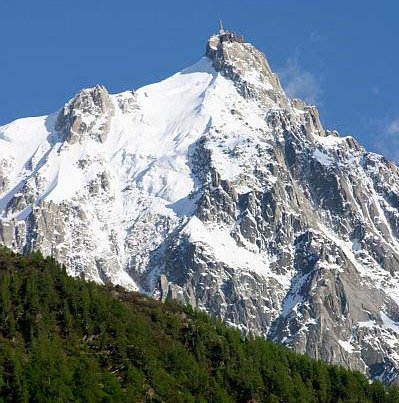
(392, 127)
(387, 143)
(300, 83)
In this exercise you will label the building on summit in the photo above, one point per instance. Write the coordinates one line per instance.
(226, 36)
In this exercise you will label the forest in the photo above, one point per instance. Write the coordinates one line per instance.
(63, 339)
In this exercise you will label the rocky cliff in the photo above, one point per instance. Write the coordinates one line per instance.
(215, 188)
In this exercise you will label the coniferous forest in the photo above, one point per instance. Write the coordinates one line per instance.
(67, 340)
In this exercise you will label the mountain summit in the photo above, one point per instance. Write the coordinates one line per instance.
(215, 188)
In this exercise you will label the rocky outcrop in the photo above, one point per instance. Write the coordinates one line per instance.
(248, 68)
(89, 113)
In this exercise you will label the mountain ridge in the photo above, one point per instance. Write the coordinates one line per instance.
(214, 188)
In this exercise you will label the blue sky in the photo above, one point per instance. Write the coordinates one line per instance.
(341, 55)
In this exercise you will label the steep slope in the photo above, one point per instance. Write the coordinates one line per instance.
(214, 188)
(65, 339)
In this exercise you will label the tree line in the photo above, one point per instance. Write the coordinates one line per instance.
(63, 339)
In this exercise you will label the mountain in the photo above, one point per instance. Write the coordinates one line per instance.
(65, 339)
(214, 188)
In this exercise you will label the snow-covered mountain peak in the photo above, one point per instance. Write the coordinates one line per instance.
(213, 187)
(247, 66)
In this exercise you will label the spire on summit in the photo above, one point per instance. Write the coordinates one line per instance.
(221, 30)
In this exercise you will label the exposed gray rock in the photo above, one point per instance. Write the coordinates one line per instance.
(89, 113)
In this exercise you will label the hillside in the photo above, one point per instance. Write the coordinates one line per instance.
(65, 339)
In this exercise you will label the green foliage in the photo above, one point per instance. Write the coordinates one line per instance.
(63, 339)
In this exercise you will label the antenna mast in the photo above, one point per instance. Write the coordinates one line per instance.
(221, 30)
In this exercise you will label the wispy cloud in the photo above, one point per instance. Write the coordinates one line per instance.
(387, 141)
(300, 83)
(375, 90)
(392, 127)
(315, 36)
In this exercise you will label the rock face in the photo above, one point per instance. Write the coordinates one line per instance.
(88, 114)
(214, 188)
